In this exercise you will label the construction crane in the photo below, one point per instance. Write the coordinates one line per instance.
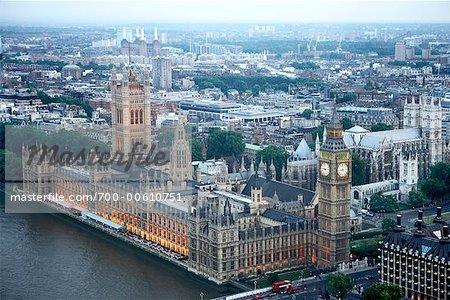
(339, 48)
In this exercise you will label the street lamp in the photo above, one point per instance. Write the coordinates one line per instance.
(254, 283)
(201, 295)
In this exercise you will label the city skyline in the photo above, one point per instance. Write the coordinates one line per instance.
(198, 11)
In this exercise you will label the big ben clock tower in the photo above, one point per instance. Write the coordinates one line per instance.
(334, 188)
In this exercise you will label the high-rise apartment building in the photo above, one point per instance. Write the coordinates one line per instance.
(162, 73)
(400, 51)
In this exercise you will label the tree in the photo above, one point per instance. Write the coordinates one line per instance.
(273, 277)
(416, 198)
(71, 140)
(197, 150)
(346, 123)
(383, 203)
(223, 143)
(433, 188)
(365, 248)
(348, 97)
(437, 186)
(256, 89)
(244, 83)
(69, 100)
(358, 170)
(276, 154)
(380, 127)
(10, 166)
(383, 292)
(307, 113)
(388, 224)
(317, 131)
(339, 284)
(304, 66)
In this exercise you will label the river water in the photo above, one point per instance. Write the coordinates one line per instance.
(47, 256)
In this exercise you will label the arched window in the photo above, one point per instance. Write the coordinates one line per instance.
(132, 117)
(141, 116)
(136, 117)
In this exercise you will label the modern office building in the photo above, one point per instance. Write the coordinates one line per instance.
(418, 259)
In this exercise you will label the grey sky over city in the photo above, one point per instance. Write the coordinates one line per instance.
(98, 12)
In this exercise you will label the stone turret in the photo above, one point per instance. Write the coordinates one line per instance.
(243, 169)
(317, 146)
(256, 195)
(272, 171)
(262, 166)
(252, 168)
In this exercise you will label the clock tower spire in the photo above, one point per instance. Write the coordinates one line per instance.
(334, 188)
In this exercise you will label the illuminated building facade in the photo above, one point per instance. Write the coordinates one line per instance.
(234, 236)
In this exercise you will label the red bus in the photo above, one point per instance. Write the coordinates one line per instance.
(283, 286)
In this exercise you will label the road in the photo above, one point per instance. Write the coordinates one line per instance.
(314, 287)
(409, 217)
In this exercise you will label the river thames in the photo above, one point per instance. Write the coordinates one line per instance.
(47, 256)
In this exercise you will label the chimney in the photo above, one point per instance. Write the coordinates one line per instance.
(438, 218)
(419, 231)
(445, 239)
(419, 225)
(399, 227)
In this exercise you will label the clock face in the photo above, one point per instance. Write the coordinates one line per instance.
(325, 169)
(342, 170)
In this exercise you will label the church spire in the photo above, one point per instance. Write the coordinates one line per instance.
(335, 126)
(335, 123)
(317, 146)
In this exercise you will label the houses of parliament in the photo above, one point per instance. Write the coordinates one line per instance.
(225, 232)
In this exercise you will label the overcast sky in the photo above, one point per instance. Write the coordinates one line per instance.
(239, 11)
